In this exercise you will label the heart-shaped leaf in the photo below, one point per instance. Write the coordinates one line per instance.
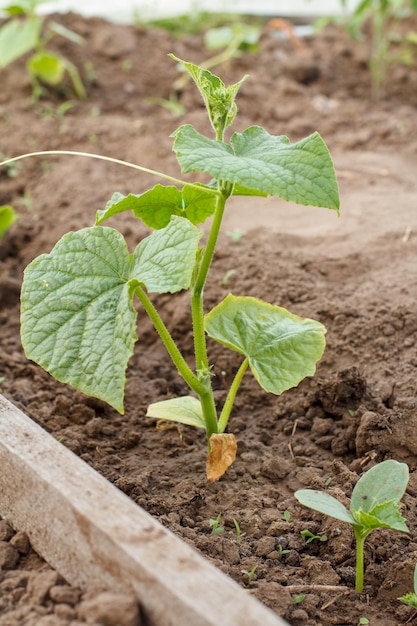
(281, 348)
(302, 172)
(185, 410)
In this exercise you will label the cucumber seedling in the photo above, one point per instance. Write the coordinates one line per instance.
(77, 315)
(374, 504)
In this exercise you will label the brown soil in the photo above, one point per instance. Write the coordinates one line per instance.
(356, 274)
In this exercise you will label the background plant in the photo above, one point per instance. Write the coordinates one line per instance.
(374, 504)
(382, 16)
(77, 315)
(25, 32)
(411, 598)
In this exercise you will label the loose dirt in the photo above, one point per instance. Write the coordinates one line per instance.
(356, 274)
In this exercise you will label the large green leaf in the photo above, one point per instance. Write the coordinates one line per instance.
(385, 515)
(156, 206)
(385, 482)
(324, 503)
(281, 348)
(302, 172)
(18, 37)
(164, 261)
(185, 410)
(77, 318)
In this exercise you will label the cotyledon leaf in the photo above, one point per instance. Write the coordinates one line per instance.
(324, 503)
(281, 348)
(184, 410)
(302, 172)
(385, 482)
(77, 318)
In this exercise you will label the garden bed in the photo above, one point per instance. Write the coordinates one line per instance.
(356, 274)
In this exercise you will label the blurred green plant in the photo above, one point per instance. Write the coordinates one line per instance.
(382, 17)
(26, 32)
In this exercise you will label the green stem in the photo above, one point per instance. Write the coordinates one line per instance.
(228, 405)
(101, 157)
(197, 311)
(190, 378)
(360, 536)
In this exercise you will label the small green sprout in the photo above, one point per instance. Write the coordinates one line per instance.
(226, 278)
(287, 515)
(411, 598)
(235, 235)
(239, 533)
(250, 573)
(282, 552)
(308, 536)
(216, 529)
(374, 504)
(298, 599)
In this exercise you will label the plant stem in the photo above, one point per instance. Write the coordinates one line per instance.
(228, 405)
(197, 311)
(360, 537)
(190, 378)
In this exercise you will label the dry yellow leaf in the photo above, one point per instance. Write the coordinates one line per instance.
(222, 454)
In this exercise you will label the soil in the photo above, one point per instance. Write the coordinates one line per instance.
(356, 274)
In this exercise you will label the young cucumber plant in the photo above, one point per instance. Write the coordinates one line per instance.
(77, 315)
(374, 504)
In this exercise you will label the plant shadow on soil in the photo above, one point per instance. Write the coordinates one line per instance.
(356, 274)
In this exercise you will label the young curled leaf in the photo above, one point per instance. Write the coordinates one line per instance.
(222, 454)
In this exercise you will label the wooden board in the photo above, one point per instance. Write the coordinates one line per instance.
(94, 534)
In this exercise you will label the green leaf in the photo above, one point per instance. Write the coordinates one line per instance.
(302, 172)
(281, 348)
(164, 261)
(219, 99)
(77, 320)
(186, 410)
(385, 482)
(385, 515)
(324, 503)
(7, 218)
(48, 67)
(18, 37)
(156, 206)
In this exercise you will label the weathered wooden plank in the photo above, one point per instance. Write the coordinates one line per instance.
(92, 533)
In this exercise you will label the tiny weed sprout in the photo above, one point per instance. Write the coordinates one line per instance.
(249, 573)
(374, 504)
(362, 621)
(24, 32)
(308, 536)
(216, 529)
(78, 320)
(281, 552)
(411, 598)
(298, 599)
(239, 533)
(286, 515)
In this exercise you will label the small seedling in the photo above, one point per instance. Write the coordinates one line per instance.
(235, 235)
(239, 533)
(227, 276)
(411, 598)
(308, 536)
(374, 504)
(286, 515)
(363, 621)
(282, 552)
(298, 599)
(78, 312)
(26, 32)
(216, 529)
(250, 574)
